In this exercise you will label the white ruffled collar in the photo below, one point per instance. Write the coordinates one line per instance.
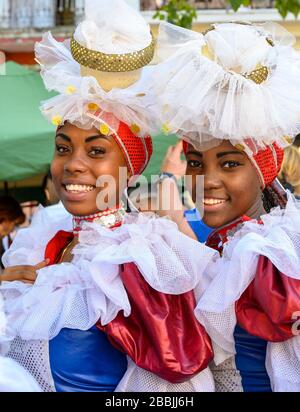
(90, 288)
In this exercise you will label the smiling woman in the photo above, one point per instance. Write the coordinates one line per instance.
(229, 117)
(231, 184)
(103, 290)
(81, 157)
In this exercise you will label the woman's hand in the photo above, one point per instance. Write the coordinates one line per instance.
(23, 273)
(172, 162)
(170, 203)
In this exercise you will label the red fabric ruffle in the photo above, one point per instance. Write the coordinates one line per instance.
(56, 246)
(268, 307)
(161, 334)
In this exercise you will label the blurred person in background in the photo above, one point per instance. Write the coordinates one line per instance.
(51, 197)
(11, 215)
(52, 202)
(289, 174)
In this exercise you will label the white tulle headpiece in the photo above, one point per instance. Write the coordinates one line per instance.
(239, 81)
(100, 72)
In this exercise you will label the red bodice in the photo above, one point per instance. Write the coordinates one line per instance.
(161, 334)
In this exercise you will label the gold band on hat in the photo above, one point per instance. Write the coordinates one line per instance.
(112, 62)
(258, 76)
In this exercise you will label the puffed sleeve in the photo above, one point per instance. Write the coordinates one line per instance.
(268, 306)
(161, 334)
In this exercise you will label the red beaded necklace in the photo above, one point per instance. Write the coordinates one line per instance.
(109, 218)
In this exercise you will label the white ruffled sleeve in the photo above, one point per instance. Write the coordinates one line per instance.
(78, 294)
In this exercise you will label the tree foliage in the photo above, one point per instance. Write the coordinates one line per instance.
(183, 13)
(178, 12)
(283, 6)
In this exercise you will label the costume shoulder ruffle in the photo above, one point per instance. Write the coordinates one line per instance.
(89, 289)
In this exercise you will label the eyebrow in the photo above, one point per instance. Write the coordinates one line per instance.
(235, 152)
(220, 154)
(193, 152)
(87, 140)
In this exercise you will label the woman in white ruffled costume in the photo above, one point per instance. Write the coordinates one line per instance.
(236, 105)
(86, 289)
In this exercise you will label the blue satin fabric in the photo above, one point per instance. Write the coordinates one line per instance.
(199, 228)
(85, 361)
(250, 360)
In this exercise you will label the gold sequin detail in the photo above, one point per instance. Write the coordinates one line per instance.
(239, 147)
(112, 62)
(57, 120)
(104, 129)
(165, 128)
(135, 129)
(71, 89)
(210, 28)
(93, 107)
(258, 76)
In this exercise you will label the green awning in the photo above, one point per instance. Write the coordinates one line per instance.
(26, 138)
(160, 146)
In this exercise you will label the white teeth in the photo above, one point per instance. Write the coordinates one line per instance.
(79, 188)
(213, 201)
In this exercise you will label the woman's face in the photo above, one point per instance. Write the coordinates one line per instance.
(81, 157)
(231, 185)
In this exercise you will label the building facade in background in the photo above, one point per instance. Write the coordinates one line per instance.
(50, 13)
(22, 22)
(39, 13)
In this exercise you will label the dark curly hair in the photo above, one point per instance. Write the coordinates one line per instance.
(11, 210)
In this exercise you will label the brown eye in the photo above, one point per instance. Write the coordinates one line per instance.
(230, 164)
(97, 151)
(194, 163)
(61, 149)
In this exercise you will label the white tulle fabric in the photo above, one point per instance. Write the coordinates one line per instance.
(103, 30)
(2, 322)
(140, 380)
(278, 238)
(148, 103)
(13, 377)
(4, 328)
(33, 356)
(207, 99)
(61, 73)
(89, 289)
